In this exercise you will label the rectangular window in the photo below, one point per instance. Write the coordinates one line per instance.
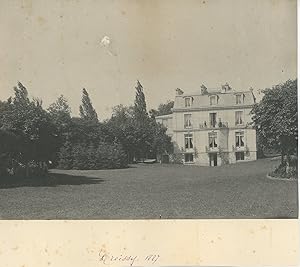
(187, 120)
(213, 119)
(238, 99)
(189, 157)
(212, 140)
(188, 141)
(238, 117)
(239, 156)
(188, 101)
(239, 139)
(213, 100)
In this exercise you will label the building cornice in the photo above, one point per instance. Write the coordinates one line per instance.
(210, 108)
(209, 129)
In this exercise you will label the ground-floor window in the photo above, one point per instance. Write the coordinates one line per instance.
(188, 157)
(239, 156)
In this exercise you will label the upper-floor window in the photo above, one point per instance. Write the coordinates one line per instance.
(188, 141)
(238, 99)
(212, 140)
(213, 119)
(238, 117)
(213, 100)
(187, 120)
(239, 139)
(188, 101)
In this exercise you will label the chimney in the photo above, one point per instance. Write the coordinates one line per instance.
(226, 88)
(203, 89)
(179, 91)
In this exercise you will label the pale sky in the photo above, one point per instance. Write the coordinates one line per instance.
(54, 47)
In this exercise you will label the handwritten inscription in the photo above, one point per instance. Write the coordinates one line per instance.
(127, 259)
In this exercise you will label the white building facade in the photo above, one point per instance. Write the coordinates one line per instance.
(212, 127)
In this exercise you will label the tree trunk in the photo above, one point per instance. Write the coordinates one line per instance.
(288, 160)
(27, 171)
(282, 157)
(282, 154)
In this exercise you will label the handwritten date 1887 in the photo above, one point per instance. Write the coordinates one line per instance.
(131, 260)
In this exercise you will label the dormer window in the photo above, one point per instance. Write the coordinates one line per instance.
(239, 99)
(213, 100)
(188, 101)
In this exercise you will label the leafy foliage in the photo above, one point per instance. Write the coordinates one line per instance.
(31, 137)
(140, 108)
(102, 156)
(140, 135)
(276, 119)
(26, 122)
(163, 109)
(86, 109)
(141, 123)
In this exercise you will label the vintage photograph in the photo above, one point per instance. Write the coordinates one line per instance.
(148, 109)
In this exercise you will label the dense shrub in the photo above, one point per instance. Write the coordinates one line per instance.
(176, 158)
(83, 157)
(282, 171)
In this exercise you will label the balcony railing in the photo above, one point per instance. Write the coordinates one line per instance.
(211, 149)
(220, 124)
(240, 148)
(205, 125)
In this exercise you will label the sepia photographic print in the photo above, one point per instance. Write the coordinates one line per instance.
(134, 110)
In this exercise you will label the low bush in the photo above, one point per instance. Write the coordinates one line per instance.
(282, 172)
(176, 158)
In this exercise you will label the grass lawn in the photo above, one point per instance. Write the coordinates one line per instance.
(150, 191)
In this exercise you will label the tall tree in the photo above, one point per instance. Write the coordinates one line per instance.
(60, 114)
(141, 123)
(276, 120)
(140, 107)
(121, 128)
(86, 109)
(9, 141)
(60, 108)
(21, 95)
(32, 125)
(160, 142)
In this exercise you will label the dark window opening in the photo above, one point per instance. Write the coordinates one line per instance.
(189, 157)
(213, 119)
(239, 156)
(213, 159)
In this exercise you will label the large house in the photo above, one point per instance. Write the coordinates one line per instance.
(212, 127)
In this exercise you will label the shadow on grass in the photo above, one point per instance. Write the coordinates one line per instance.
(50, 180)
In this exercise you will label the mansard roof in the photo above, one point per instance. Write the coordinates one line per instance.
(225, 98)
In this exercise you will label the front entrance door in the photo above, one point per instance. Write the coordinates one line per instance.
(213, 159)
